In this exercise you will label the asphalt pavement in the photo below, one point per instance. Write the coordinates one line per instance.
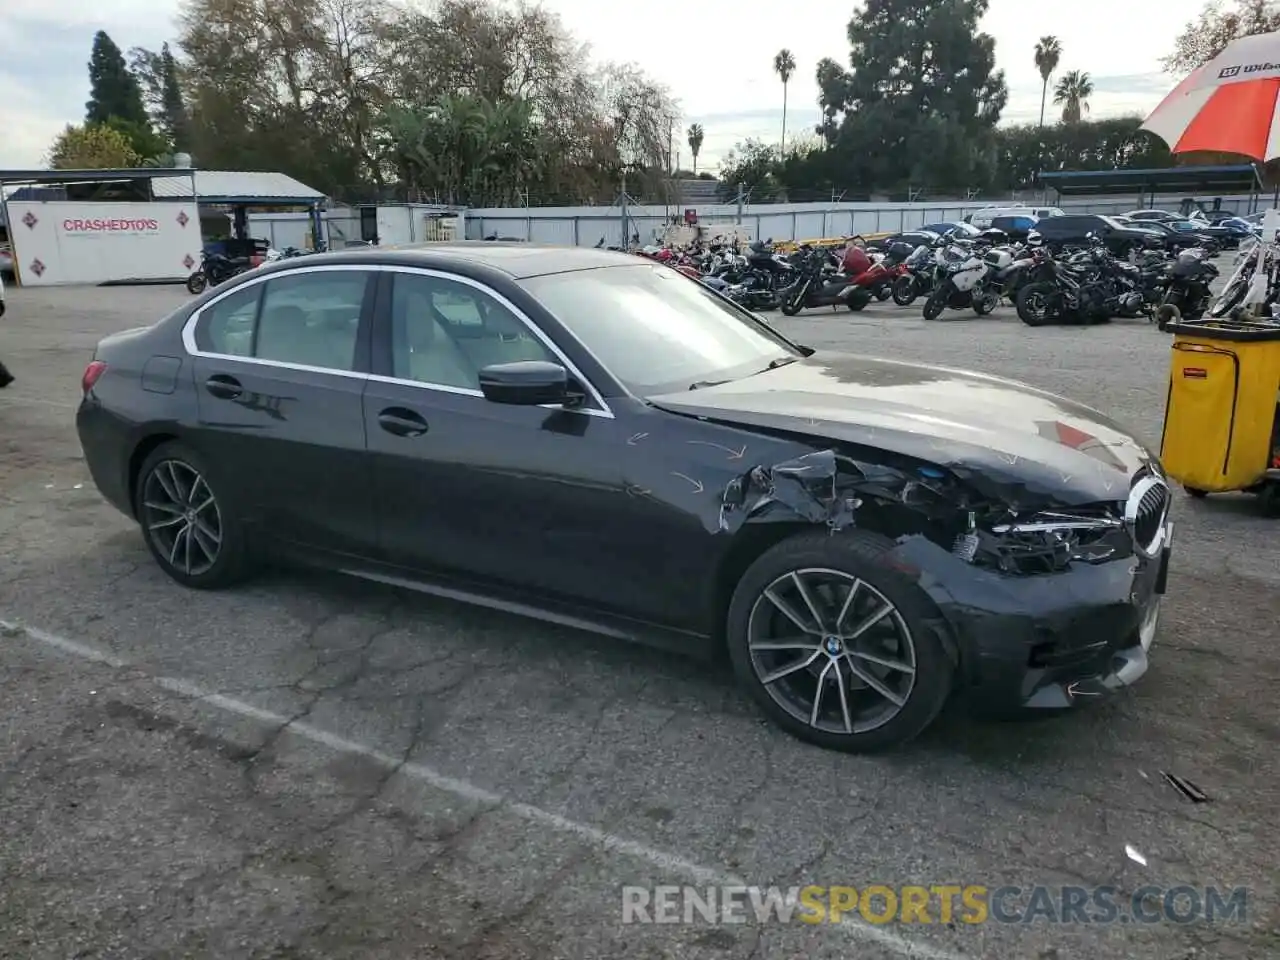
(312, 767)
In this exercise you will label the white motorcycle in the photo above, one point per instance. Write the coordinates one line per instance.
(962, 277)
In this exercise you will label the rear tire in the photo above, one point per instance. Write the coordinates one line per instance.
(986, 303)
(825, 568)
(1196, 492)
(188, 522)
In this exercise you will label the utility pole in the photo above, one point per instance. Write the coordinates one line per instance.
(626, 240)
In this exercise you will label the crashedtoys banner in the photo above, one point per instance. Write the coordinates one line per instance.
(69, 242)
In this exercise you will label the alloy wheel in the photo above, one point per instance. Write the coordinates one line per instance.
(831, 650)
(181, 517)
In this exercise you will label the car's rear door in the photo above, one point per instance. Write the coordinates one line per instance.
(520, 495)
(280, 365)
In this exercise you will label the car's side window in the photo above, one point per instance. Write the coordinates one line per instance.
(227, 326)
(444, 331)
(312, 318)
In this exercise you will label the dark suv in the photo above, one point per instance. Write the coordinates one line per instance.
(1074, 230)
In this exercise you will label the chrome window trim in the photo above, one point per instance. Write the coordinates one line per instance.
(189, 336)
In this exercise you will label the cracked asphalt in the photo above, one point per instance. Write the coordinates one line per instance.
(312, 767)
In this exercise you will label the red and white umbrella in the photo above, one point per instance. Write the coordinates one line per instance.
(1229, 105)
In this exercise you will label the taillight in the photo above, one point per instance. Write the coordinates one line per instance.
(91, 374)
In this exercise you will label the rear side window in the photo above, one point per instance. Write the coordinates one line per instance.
(227, 326)
(312, 319)
(308, 319)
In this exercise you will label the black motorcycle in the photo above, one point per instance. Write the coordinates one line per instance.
(819, 285)
(1088, 287)
(1184, 290)
(215, 268)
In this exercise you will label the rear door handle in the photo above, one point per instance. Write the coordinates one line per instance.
(223, 387)
(402, 422)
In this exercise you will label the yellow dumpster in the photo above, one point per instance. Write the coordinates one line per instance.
(1220, 416)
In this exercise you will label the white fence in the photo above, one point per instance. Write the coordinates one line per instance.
(587, 226)
(592, 226)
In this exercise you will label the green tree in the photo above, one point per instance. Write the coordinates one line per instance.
(784, 65)
(756, 166)
(1048, 54)
(173, 109)
(695, 136)
(1072, 93)
(92, 146)
(1216, 26)
(113, 90)
(922, 86)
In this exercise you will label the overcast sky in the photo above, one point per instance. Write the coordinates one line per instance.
(715, 57)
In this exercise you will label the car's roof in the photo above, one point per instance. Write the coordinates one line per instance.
(517, 260)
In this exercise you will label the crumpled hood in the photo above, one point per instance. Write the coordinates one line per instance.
(1029, 448)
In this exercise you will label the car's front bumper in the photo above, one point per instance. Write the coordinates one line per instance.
(1050, 641)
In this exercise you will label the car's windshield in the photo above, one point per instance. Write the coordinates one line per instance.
(657, 331)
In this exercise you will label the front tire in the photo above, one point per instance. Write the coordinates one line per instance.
(1033, 304)
(197, 282)
(934, 306)
(904, 291)
(188, 522)
(835, 646)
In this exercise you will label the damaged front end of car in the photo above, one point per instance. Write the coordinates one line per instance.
(1045, 602)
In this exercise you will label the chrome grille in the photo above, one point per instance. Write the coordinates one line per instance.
(1145, 513)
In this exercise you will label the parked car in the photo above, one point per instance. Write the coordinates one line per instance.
(1147, 215)
(982, 218)
(594, 439)
(6, 261)
(1182, 234)
(915, 238)
(1120, 238)
(1015, 227)
(959, 229)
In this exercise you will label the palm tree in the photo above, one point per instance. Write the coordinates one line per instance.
(1048, 53)
(784, 65)
(695, 142)
(1073, 92)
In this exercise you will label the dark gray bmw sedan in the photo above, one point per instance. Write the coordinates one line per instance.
(593, 439)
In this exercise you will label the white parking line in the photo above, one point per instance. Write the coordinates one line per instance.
(668, 862)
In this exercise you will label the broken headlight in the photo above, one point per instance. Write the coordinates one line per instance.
(1044, 542)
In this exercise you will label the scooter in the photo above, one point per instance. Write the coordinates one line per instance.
(817, 287)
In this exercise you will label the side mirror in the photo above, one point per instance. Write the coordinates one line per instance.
(527, 383)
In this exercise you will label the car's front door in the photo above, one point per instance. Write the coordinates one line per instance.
(279, 368)
(519, 495)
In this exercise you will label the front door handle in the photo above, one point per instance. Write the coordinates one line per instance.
(402, 422)
(223, 387)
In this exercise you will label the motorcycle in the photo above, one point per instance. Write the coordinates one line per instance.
(1185, 289)
(215, 268)
(961, 282)
(1091, 288)
(820, 286)
(917, 277)
(880, 274)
